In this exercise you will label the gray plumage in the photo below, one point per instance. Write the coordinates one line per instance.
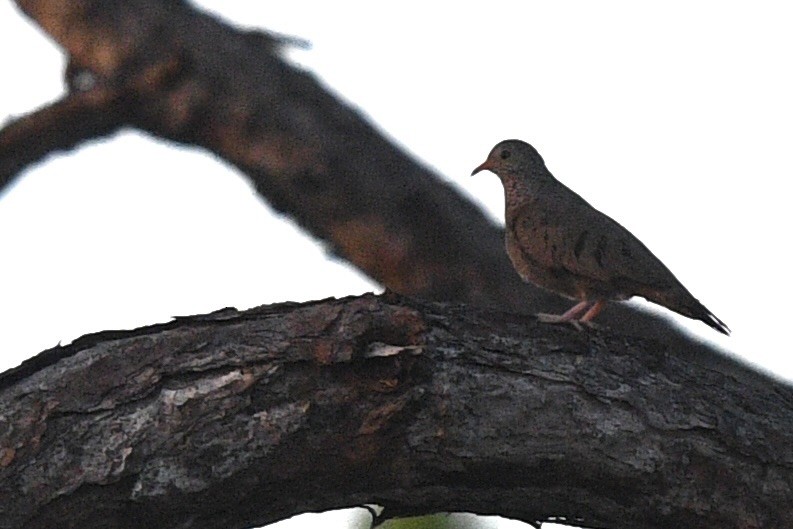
(558, 241)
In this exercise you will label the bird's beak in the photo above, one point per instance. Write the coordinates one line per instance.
(484, 167)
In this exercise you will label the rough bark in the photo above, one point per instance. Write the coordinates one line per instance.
(167, 69)
(234, 420)
(238, 419)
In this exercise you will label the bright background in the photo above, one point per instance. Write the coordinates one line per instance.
(676, 119)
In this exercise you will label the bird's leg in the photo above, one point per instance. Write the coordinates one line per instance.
(593, 311)
(568, 317)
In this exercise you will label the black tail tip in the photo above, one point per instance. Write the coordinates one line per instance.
(717, 324)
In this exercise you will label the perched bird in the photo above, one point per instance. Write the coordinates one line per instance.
(559, 242)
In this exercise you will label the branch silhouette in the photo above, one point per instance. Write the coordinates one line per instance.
(238, 419)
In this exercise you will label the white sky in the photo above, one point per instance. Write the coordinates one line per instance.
(676, 119)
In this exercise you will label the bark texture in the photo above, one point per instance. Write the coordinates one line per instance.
(237, 419)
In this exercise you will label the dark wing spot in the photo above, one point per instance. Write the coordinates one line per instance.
(600, 250)
(625, 249)
(579, 244)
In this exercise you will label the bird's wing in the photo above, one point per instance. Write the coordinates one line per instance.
(590, 244)
(602, 249)
(581, 250)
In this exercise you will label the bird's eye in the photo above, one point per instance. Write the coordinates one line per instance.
(505, 155)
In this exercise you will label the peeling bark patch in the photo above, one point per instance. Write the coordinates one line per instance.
(381, 350)
(232, 382)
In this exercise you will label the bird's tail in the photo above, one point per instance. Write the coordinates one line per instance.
(684, 303)
(711, 320)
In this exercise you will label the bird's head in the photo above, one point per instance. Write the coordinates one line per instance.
(512, 157)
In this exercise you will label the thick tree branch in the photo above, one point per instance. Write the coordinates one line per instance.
(163, 67)
(234, 420)
(237, 419)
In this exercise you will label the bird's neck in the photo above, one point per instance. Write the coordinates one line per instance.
(519, 191)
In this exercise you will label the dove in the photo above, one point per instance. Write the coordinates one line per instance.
(558, 241)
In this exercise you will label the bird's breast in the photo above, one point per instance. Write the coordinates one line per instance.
(541, 254)
(533, 263)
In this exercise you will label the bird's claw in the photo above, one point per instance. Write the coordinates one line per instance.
(560, 318)
(550, 318)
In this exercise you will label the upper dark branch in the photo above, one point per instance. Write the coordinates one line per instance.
(186, 77)
(163, 67)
